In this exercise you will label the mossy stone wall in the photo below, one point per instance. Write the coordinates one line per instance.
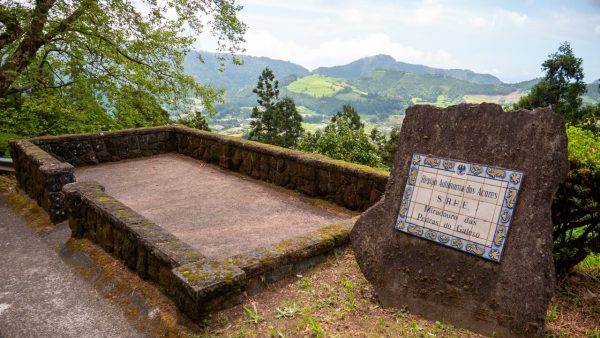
(41, 176)
(349, 185)
(44, 164)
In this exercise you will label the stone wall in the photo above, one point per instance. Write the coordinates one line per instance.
(44, 164)
(94, 148)
(41, 176)
(197, 284)
(349, 185)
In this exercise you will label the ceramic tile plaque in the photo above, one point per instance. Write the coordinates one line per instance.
(465, 206)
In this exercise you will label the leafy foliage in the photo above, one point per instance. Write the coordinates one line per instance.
(576, 207)
(194, 119)
(562, 86)
(275, 121)
(350, 116)
(344, 139)
(77, 66)
(386, 146)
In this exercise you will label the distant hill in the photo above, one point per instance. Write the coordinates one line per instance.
(379, 87)
(365, 66)
(235, 77)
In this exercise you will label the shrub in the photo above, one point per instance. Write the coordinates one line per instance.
(576, 206)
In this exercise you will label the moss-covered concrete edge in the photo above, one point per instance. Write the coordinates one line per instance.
(197, 284)
(270, 149)
(269, 264)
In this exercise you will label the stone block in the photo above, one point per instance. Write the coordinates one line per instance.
(508, 298)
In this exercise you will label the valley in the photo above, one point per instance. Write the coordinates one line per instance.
(378, 87)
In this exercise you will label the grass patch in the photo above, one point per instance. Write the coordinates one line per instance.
(252, 313)
(315, 85)
(289, 310)
(335, 300)
(575, 309)
(332, 299)
(312, 127)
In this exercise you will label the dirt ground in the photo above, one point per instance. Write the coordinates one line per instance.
(335, 300)
(218, 212)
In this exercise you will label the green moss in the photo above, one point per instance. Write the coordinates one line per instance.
(228, 278)
(102, 199)
(283, 246)
(333, 231)
(122, 213)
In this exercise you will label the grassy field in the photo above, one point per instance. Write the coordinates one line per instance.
(498, 99)
(442, 101)
(588, 100)
(315, 85)
(306, 111)
(312, 127)
(318, 85)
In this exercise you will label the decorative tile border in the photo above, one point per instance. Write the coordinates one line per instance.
(453, 203)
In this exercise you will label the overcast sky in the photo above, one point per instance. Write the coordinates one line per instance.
(509, 39)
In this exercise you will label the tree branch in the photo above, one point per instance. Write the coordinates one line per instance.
(12, 26)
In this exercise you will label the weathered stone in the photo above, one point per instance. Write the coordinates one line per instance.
(507, 298)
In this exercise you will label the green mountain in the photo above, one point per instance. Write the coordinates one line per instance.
(223, 73)
(365, 66)
(379, 87)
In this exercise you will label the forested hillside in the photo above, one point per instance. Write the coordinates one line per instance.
(379, 87)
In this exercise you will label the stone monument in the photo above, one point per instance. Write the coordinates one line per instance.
(463, 233)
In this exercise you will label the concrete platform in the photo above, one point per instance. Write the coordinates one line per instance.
(218, 212)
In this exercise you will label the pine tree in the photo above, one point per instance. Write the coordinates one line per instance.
(350, 115)
(274, 121)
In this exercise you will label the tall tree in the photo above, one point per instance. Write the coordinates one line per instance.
(94, 48)
(561, 86)
(289, 123)
(344, 138)
(350, 115)
(386, 146)
(263, 123)
(274, 121)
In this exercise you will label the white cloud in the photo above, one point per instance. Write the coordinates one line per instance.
(514, 17)
(340, 51)
(480, 22)
(427, 14)
(597, 29)
(353, 16)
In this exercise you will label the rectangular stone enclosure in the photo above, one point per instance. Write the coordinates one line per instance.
(205, 216)
(217, 212)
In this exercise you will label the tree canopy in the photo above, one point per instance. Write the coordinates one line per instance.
(562, 86)
(350, 115)
(86, 62)
(344, 138)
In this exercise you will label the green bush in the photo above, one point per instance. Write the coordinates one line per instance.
(4, 137)
(576, 206)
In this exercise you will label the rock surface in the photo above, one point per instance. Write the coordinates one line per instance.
(506, 299)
